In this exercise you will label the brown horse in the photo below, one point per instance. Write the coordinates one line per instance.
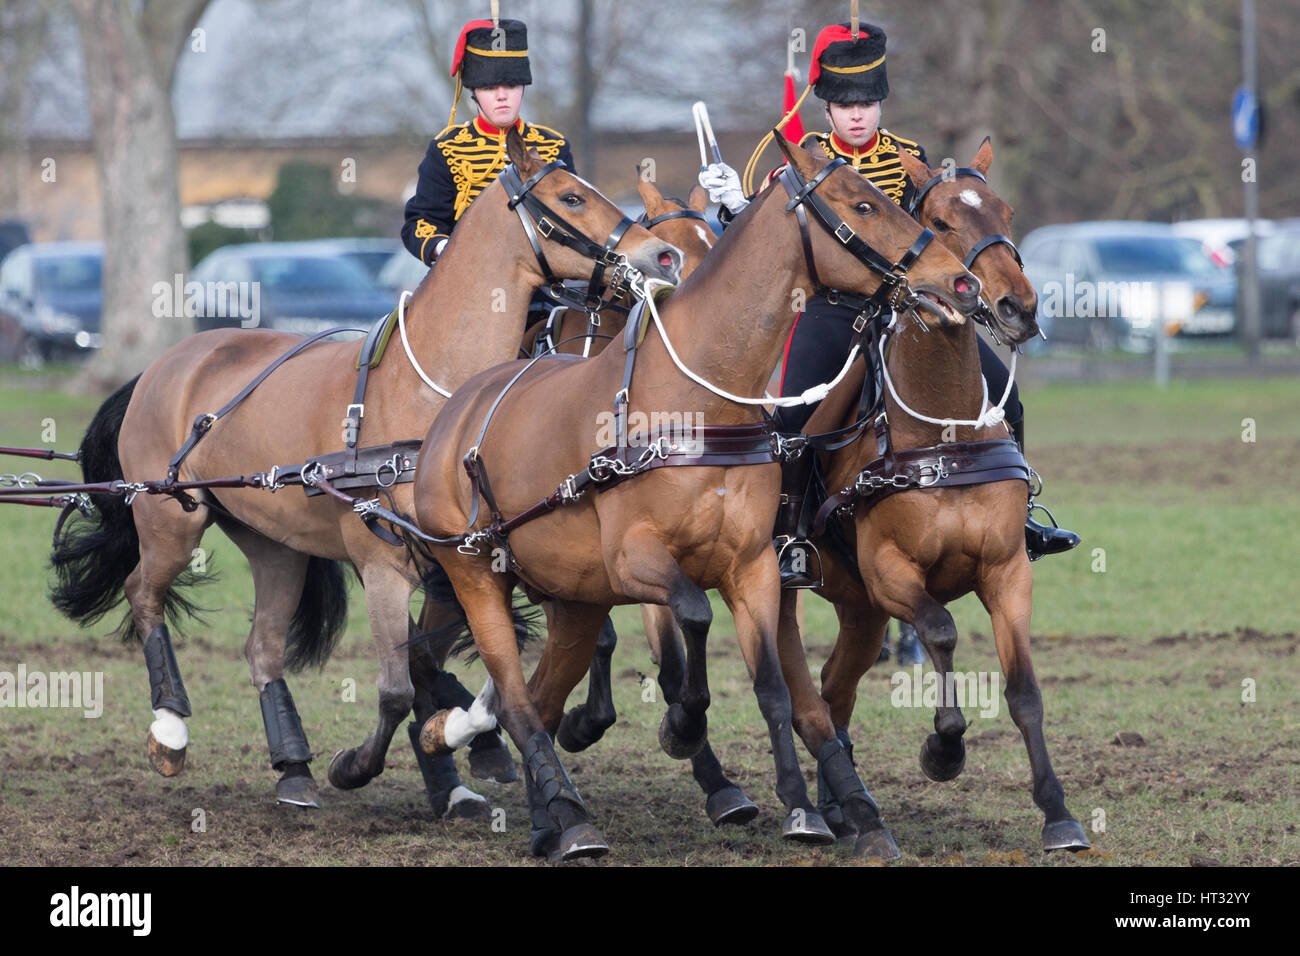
(668, 534)
(467, 314)
(912, 552)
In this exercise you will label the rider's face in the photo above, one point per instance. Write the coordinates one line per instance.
(855, 123)
(499, 104)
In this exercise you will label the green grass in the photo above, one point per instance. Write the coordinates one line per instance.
(1197, 528)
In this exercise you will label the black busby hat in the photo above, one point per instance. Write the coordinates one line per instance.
(492, 56)
(847, 68)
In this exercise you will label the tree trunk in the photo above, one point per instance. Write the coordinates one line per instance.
(131, 50)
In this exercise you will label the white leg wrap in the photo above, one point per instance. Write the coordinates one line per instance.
(463, 726)
(168, 728)
(460, 794)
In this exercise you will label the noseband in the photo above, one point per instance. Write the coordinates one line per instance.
(539, 219)
(983, 314)
(675, 214)
(893, 292)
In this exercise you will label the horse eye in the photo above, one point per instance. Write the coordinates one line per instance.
(864, 209)
(571, 200)
(942, 226)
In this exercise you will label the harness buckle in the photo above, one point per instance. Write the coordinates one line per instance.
(844, 233)
(545, 227)
(569, 493)
(860, 322)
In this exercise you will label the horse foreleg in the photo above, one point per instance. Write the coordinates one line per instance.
(847, 806)
(489, 757)
(560, 824)
(752, 593)
(726, 802)
(585, 724)
(1007, 594)
(388, 596)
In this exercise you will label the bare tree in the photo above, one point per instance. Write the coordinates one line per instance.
(131, 51)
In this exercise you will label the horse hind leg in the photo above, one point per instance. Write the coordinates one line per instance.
(726, 802)
(585, 724)
(279, 579)
(168, 537)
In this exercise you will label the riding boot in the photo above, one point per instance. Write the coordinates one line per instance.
(794, 550)
(909, 645)
(1042, 539)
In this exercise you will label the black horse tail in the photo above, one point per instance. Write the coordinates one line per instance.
(93, 555)
(456, 638)
(319, 620)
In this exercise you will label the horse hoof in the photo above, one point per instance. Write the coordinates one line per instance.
(568, 736)
(164, 759)
(680, 748)
(433, 739)
(580, 840)
(942, 758)
(808, 827)
(343, 773)
(297, 792)
(730, 805)
(1064, 835)
(877, 844)
(464, 804)
(493, 764)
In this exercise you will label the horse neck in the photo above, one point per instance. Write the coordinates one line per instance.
(936, 374)
(729, 321)
(468, 314)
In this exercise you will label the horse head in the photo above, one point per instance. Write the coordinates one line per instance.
(964, 211)
(942, 291)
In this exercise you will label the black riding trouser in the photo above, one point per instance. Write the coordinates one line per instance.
(819, 344)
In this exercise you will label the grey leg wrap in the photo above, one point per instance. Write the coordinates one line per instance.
(547, 774)
(165, 686)
(835, 767)
(284, 735)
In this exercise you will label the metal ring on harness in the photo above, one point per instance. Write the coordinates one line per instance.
(395, 465)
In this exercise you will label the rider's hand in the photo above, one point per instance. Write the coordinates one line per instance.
(440, 245)
(723, 185)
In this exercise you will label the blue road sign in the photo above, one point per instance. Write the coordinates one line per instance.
(1245, 117)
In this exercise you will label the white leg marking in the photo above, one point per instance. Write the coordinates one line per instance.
(169, 729)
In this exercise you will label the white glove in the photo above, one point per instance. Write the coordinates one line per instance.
(723, 185)
(440, 245)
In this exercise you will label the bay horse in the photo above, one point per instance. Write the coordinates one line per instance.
(466, 315)
(670, 533)
(908, 553)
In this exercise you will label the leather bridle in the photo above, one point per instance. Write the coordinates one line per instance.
(539, 219)
(983, 314)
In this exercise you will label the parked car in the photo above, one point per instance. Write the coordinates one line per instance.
(1220, 237)
(372, 254)
(50, 301)
(1115, 284)
(12, 235)
(1279, 283)
(289, 286)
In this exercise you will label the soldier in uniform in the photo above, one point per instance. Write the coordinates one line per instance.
(848, 75)
(492, 63)
(463, 160)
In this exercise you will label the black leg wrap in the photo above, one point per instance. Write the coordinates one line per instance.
(448, 692)
(439, 773)
(165, 686)
(284, 735)
(545, 771)
(835, 766)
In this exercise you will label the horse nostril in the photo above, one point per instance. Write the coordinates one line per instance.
(1009, 307)
(666, 260)
(961, 286)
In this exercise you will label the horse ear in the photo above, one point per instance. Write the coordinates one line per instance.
(917, 171)
(808, 164)
(650, 195)
(526, 160)
(698, 199)
(983, 157)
